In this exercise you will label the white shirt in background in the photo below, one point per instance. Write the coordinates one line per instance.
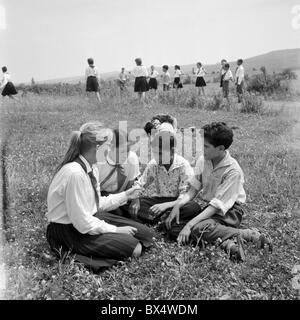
(177, 73)
(166, 79)
(5, 80)
(140, 71)
(154, 74)
(228, 76)
(240, 74)
(71, 199)
(92, 72)
(200, 72)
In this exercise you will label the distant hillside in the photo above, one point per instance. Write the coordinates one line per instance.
(273, 61)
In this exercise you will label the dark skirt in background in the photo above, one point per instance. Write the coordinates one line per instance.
(9, 90)
(177, 83)
(98, 251)
(225, 87)
(152, 83)
(200, 82)
(92, 84)
(140, 84)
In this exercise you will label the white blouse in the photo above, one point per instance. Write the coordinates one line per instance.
(228, 76)
(91, 72)
(177, 74)
(5, 80)
(154, 74)
(140, 71)
(240, 74)
(71, 199)
(200, 72)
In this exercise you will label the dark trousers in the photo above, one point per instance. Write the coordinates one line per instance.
(218, 226)
(146, 203)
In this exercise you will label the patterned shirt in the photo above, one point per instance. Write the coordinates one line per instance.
(221, 186)
(158, 182)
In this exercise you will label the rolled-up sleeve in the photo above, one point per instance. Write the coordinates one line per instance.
(77, 208)
(227, 192)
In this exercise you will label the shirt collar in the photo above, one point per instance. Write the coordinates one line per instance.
(176, 163)
(226, 161)
(88, 167)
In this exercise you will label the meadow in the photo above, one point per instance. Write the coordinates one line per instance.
(35, 133)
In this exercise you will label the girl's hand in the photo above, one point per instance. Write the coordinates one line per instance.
(184, 235)
(173, 215)
(127, 230)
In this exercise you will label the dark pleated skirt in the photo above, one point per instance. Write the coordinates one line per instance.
(140, 84)
(92, 84)
(200, 82)
(98, 251)
(177, 83)
(9, 90)
(152, 83)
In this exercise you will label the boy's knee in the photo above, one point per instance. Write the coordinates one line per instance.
(137, 250)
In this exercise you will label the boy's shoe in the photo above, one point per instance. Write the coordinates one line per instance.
(253, 235)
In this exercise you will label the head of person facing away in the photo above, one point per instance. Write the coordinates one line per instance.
(240, 62)
(86, 142)
(138, 61)
(218, 137)
(177, 67)
(165, 68)
(90, 62)
(4, 69)
(199, 64)
(163, 148)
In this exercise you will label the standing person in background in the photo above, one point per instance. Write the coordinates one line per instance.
(239, 80)
(227, 76)
(92, 79)
(222, 71)
(166, 79)
(200, 82)
(177, 74)
(153, 79)
(140, 85)
(8, 87)
(122, 80)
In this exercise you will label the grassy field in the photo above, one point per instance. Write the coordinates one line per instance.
(36, 133)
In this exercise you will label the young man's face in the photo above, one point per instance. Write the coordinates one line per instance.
(211, 152)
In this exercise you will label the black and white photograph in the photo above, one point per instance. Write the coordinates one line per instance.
(150, 151)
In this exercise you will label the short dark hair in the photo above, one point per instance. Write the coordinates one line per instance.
(199, 63)
(218, 134)
(177, 67)
(226, 65)
(148, 127)
(138, 61)
(163, 118)
(223, 60)
(90, 61)
(4, 69)
(240, 61)
(165, 67)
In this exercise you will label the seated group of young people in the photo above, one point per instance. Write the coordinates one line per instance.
(99, 210)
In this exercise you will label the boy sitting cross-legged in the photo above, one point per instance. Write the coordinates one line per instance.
(220, 179)
(165, 180)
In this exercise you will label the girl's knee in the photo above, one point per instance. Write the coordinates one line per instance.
(137, 250)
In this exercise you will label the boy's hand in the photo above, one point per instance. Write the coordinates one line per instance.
(134, 208)
(174, 214)
(127, 230)
(184, 235)
(159, 208)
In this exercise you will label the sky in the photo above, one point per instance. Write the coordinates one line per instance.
(49, 39)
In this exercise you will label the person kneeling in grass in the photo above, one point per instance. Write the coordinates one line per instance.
(165, 180)
(221, 179)
(77, 214)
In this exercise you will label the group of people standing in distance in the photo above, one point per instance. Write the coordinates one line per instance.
(145, 81)
(148, 80)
